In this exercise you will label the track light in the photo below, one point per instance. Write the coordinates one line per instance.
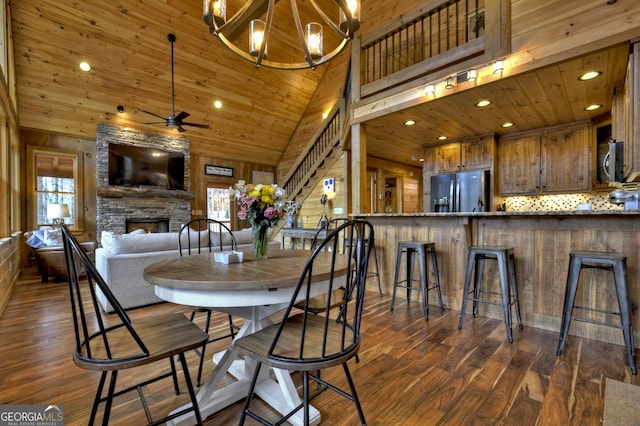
(430, 90)
(498, 67)
(449, 83)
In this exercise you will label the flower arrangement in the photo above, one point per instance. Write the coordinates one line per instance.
(262, 206)
(259, 204)
(291, 207)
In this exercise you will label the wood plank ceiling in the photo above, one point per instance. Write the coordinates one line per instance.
(126, 43)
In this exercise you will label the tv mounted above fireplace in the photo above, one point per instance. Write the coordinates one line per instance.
(136, 166)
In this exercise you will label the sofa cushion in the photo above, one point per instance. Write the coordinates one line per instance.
(243, 236)
(139, 243)
(198, 238)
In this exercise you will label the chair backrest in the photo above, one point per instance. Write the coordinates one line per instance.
(326, 228)
(92, 328)
(208, 234)
(339, 333)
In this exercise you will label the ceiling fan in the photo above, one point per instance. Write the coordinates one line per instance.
(174, 121)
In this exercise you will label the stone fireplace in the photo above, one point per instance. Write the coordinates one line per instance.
(147, 224)
(115, 204)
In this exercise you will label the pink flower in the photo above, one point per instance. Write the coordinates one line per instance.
(270, 213)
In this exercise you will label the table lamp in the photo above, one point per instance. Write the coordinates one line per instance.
(57, 213)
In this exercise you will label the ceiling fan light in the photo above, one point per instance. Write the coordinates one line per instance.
(313, 38)
(256, 37)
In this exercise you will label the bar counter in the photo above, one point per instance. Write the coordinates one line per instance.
(543, 241)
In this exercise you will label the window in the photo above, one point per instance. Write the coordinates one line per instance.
(55, 181)
(218, 205)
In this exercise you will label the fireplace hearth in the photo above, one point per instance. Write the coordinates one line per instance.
(148, 224)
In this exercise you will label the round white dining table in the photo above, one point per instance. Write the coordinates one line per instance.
(253, 290)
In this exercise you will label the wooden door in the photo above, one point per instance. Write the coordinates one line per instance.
(519, 168)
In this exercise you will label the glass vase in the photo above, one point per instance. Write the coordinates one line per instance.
(260, 242)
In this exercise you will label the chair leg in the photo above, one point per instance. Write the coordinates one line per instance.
(247, 401)
(375, 258)
(424, 282)
(176, 387)
(356, 400)
(569, 299)
(396, 276)
(204, 349)
(109, 399)
(192, 393)
(467, 284)
(620, 278)
(409, 274)
(96, 400)
(434, 265)
(506, 294)
(514, 288)
(232, 327)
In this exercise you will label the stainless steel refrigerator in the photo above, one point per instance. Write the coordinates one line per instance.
(461, 192)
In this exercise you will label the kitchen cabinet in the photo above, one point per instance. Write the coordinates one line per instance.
(472, 154)
(625, 114)
(447, 158)
(550, 161)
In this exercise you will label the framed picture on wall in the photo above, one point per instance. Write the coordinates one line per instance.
(218, 171)
(264, 178)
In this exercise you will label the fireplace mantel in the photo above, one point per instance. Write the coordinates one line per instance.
(121, 192)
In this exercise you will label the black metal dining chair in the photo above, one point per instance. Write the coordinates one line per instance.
(115, 343)
(197, 236)
(309, 342)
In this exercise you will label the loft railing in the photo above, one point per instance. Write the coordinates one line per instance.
(326, 139)
(451, 31)
(433, 33)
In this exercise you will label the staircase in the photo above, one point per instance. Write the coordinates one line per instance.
(324, 149)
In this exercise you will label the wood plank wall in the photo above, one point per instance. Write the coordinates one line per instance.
(10, 264)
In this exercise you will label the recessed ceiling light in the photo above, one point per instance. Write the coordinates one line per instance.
(589, 75)
(483, 103)
(410, 122)
(217, 104)
(120, 109)
(84, 66)
(593, 107)
(507, 124)
(442, 138)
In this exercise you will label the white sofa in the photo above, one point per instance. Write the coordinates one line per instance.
(122, 259)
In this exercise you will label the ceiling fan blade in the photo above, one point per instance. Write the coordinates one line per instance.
(181, 116)
(181, 129)
(203, 126)
(156, 122)
(155, 115)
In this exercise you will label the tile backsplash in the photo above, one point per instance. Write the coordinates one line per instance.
(598, 201)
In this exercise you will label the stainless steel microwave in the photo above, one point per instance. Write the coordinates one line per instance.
(613, 162)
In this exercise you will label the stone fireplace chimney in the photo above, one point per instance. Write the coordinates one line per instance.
(116, 204)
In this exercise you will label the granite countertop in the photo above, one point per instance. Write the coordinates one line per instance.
(509, 213)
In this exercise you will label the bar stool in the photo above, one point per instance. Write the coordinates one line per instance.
(375, 273)
(508, 283)
(421, 249)
(617, 264)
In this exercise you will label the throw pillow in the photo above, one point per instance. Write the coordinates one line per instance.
(36, 239)
(244, 236)
(138, 243)
(53, 237)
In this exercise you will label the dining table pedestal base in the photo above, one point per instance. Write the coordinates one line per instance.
(280, 393)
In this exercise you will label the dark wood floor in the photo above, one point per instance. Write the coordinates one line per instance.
(410, 371)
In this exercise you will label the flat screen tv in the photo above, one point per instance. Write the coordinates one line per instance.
(136, 166)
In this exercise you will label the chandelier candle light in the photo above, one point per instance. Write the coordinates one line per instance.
(266, 26)
(263, 206)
